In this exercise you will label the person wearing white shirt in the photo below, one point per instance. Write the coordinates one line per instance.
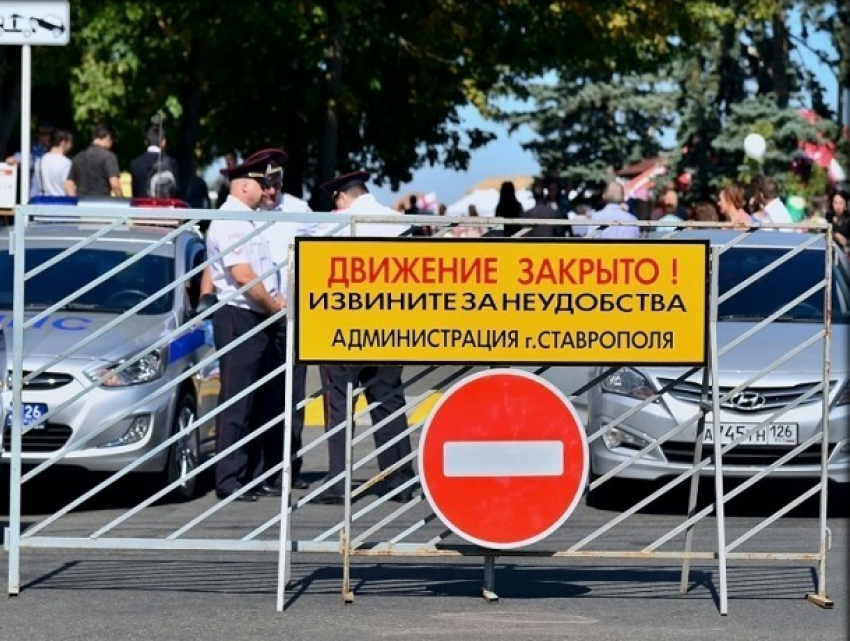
(383, 385)
(614, 211)
(51, 170)
(280, 235)
(771, 204)
(243, 259)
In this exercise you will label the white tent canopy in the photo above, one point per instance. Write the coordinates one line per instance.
(485, 201)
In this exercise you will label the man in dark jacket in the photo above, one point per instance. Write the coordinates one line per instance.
(154, 172)
(543, 209)
(94, 171)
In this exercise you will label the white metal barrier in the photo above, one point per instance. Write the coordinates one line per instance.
(375, 527)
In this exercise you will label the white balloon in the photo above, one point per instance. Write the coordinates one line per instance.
(754, 146)
(836, 172)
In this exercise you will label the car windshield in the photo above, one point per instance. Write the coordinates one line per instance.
(780, 285)
(120, 292)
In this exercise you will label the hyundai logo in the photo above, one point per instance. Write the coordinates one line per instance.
(749, 401)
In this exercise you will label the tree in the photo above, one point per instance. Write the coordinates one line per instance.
(588, 125)
(339, 83)
(719, 108)
(737, 74)
(356, 83)
(784, 129)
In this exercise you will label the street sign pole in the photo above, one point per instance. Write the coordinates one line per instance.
(27, 23)
(34, 22)
(26, 118)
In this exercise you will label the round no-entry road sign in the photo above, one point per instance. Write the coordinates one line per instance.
(503, 458)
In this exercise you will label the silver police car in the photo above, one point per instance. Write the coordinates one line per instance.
(780, 401)
(121, 417)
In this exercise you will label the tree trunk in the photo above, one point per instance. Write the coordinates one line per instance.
(330, 136)
(780, 60)
(841, 40)
(727, 91)
(10, 102)
(187, 135)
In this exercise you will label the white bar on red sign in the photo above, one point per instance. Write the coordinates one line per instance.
(503, 458)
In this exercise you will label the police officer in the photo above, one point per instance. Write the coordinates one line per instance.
(245, 364)
(279, 235)
(383, 384)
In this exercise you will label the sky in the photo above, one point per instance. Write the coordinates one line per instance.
(504, 157)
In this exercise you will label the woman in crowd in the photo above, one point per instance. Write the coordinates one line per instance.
(704, 211)
(838, 215)
(730, 203)
(468, 231)
(509, 207)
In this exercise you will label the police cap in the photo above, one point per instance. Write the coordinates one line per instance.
(346, 181)
(262, 165)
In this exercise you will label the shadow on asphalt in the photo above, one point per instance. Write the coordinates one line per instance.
(56, 488)
(762, 499)
(555, 579)
(53, 489)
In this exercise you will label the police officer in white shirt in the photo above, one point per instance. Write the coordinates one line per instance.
(280, 235)
(382, 383)
(252, 359)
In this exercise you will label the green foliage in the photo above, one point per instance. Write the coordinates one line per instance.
(587, 126)
(232, 75)
(378, 84)
(785, 130)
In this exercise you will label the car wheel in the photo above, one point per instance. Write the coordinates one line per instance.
(184, 454)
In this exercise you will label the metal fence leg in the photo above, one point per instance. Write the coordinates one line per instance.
(488, 590)
(284, 554)
(719, 505)
(820, 598)
(345, 533)
(694, 487)
(284, 563)
(13, 532)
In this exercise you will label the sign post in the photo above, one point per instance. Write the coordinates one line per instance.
(503, 458)
(27, 23)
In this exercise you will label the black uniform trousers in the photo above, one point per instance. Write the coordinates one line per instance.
(272, 441)
(383, 385)
(239, 368)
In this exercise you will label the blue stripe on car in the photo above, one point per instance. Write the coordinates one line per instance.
(186, 344)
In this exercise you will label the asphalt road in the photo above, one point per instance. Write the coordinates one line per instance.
(71, 594)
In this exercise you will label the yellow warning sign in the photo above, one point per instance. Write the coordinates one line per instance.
(505, 302)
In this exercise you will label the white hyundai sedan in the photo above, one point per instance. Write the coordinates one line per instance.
(778, 402)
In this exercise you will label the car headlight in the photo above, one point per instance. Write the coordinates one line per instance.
(619, 437)
(628, 382)
(148, 368)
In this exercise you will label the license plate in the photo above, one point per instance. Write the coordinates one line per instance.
(773, 434)
(33, 412)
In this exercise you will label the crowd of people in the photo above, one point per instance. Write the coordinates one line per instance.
(95, 170)
(741, 206)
